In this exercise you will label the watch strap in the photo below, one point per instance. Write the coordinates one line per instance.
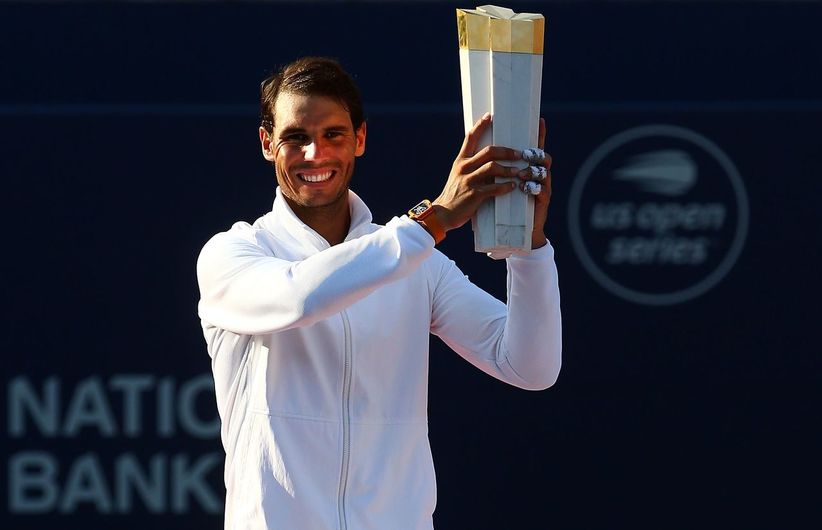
(425, 214)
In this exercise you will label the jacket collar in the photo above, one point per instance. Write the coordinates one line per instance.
(283, 217)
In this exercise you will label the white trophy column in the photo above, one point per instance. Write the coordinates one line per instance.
(516, 112)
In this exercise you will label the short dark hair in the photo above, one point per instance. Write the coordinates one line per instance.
(311, 76)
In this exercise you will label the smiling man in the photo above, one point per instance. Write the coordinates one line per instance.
(317, 320)
(312, 147)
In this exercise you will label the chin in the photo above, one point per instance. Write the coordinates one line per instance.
(315, 201)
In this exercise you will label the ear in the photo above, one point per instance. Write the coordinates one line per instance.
(360, 134)
(267, 145)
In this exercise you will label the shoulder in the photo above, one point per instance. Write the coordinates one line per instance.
(239, 231)
(241, 235)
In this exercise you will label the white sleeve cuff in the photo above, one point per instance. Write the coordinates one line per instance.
(543, 253)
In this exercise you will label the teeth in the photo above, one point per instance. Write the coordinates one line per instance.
(319, 177)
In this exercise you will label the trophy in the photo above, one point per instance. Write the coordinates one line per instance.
(501, 73)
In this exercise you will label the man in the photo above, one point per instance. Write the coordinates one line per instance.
(318, 321)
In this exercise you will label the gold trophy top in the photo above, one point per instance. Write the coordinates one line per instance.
(499, 29)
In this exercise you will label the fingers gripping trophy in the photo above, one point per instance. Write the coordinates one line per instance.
(501, 74)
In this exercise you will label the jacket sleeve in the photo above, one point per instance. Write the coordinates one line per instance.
(520, 343)
(245, 290)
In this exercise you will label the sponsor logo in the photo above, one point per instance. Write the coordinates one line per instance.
(121, 444)
(658, 214)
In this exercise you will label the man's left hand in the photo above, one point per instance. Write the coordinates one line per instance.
(543, 198)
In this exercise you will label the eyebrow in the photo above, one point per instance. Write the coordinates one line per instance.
(293, 130)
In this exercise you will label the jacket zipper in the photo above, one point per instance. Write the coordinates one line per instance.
(346, 420)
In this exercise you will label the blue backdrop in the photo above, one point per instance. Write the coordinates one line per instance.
(687, 169)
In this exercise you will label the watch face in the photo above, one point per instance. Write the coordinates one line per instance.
(421, 207)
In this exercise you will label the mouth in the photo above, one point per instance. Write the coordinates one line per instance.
(316, 176)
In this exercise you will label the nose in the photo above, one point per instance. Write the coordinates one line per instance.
(312, 150)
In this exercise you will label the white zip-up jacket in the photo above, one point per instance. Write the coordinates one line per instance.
(320, 362)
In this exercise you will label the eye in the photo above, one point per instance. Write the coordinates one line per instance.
(295, 138)
(334, 134)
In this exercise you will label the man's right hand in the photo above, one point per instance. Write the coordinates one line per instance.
(472, 178)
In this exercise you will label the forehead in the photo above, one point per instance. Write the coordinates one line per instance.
(304, 111)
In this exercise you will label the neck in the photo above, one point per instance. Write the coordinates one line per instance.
(331, 221)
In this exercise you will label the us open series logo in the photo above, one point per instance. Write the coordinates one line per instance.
(658, 214)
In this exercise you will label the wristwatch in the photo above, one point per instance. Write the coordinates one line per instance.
(424, 214)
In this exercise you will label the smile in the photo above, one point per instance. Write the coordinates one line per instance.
(316, 176)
